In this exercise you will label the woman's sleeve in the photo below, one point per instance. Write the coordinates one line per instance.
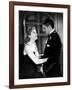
(31, 54)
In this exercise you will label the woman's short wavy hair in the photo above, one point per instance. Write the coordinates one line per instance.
(29, 29)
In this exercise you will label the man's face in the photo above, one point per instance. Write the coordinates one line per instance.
(46, 29)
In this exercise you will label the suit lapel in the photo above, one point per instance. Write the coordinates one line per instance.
(50, 36)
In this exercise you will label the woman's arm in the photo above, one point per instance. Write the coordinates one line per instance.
(34, 58)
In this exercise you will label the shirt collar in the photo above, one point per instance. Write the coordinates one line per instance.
(52, 31)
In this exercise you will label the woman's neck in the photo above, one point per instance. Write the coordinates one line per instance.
(31, 41)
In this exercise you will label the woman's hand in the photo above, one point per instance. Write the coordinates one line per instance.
(45, 59)
(40, 55)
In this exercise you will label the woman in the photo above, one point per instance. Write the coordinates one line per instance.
(31, 55)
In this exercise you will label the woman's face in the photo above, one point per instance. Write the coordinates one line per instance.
(33, 34)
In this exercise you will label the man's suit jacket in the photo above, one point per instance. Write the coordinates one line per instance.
(52, 52)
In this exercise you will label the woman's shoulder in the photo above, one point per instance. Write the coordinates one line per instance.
(27, 46)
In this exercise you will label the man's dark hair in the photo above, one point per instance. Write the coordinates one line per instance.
(48, 22)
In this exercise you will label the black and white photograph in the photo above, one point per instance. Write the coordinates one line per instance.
(39, 45)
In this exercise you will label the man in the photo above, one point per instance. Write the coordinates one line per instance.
(52, 50)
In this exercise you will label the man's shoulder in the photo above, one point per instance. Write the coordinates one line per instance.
(55, 34)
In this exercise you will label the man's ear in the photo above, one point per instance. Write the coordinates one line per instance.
(50, 27)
